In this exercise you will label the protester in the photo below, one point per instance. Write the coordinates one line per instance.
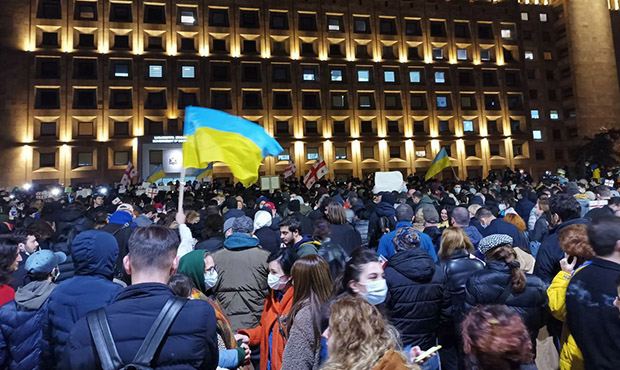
(9, 262)
(21, 321)
(291, 237)
(268, 237)
(27, 246)
(342, 233)
(242, 268)
(461, 219)
(120, 225)
(592, 319)
(212, 234)
(313, 288)
(361, 339)
(294, 208)
(404, 216)
(428, 216)
(191, 339)
(363, 276)
(491, 225)
(383, 213)
(270, 334)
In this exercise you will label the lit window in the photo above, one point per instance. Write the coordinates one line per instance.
(341, 153)
(534, 114)
(333, 24)
(461, 54)
(284, 156)
(485, 55)
(312, 154)
(440, 77)
(547, 55)
(529, 55)
(309, 74)
(506, 33)
(420, 153)
(468, 126)
(554, 115)
(336, 75)
(525, 16)
(414, 77)
(188, 17)
(438, 53)
(156, 71)
(363, 75)
(543, 17)
(442, 102)
(389, 76)
(121, 70)
(188, 72)
(537, 134)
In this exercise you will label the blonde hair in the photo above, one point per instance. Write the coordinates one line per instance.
(192, 217)
(359, 336)
(454, 238)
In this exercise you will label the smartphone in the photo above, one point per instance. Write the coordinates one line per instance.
(426, 354)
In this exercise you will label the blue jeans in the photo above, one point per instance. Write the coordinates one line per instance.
(432, 364)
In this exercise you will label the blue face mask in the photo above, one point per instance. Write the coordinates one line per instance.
(376, 291)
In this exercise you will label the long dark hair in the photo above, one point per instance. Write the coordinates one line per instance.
(8, 254)
(313, 288)
(508, 255)
(354, 266)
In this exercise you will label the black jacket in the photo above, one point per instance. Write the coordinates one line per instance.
(458, 268)
(191, 341)
(383, 209)
(592, 319)
(345, 236)
(598, 213)
(499, 226)
(486, 287)
(435, 233)
(269, 238)
(418, 302)
(212, 244)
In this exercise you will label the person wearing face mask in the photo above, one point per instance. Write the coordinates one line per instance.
(363, 276)
(418, 301)
(199, 267)
(21, 320)
(270, 332)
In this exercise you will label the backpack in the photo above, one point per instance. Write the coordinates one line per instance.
(104, 342)
(386, 224)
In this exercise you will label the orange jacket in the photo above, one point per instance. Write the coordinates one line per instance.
(272, 320)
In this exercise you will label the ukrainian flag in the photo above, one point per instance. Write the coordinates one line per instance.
(215, 136)
(440, 162)
(157, 174)
(205, 173)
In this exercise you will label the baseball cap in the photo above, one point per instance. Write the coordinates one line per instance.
(125, 207)
(44, 261)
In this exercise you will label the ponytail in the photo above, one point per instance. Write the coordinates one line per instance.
(508, 255)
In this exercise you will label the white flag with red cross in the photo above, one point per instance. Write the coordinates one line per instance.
(130, 176)
(317, 172)
(290, 170)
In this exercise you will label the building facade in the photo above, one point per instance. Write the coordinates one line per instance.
(368, 85)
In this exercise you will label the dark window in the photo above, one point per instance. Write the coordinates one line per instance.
(491, 102)
(120, 12)
(361, 51)
(461, 30)
(387, 26)
(492, 127)
(339, 100)
(513, 79)
(388, 52)
(550, 75)
(438, 29)
(307, 49)
(489, 78)
(155, 43)
(278, 21)
(121, 128)
(282, 100)
(335, 23)
(48, 68)
(85, 69)
(515, 126)
(395, 151)
(531, 74)
(85, 11)
(281, 73)
(250, 72)
(485, 31)
(466, 78)
(219, 46)
(494, 149)
(517, 149)
(156, 157)
(47, 98)
(413, 27)
(220, 99)
(468, 102)
(393, 128)
(310, 100)
(340, 128)
(187, 44)
(534, 94)
(155, 14)
(307, 22)
(552, 95)
(279, 48)
(85, 99)
(186, 99)
(418, 102)
(366, 101)
(155, 100)
(249, 19)
(546, 36)
(49, 39)
(419, 128)
(249, 47)
(470, 150)
(413, 53)
(49, 9)
(393, 101)
(515, 102)
(220, 72)
(366, 127)
(557, 134)
(48, 129)
(153, 127)
(361, 24)
(120, 99)
(252, 100)
(311, 128)
(335, 50)
(444, 127)
(121, 42)
(86, 40)
(173, 127)
(507, 55)
(540, 155)
(559, 155)
(218, 17)
(282, 128)
(47, 160)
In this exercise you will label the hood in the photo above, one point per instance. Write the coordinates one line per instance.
(120, 218)
(94, 253)
(193, 266)
(415, 264)
(142, 221)
(33, 295)
(575, 221)
(262, 219)
(240, 241)
(304, 239)
(385, 209)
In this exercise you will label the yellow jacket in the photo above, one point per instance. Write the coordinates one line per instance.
(571, 357)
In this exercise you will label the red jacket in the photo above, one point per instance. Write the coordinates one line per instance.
(272, 320)
(7, 294)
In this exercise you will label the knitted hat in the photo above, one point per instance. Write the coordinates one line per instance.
(243, 224)
(406, 238)
(262, 219)
(228, 224)
(493, 241)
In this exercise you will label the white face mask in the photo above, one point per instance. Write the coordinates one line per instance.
(376, 291)
(275, 281)
(457, 190)
(210, 278)
(502, 207)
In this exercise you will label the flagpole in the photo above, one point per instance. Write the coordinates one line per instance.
(454, 173)
(181, 189)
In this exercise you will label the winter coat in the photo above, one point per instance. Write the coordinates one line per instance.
(435, 234)
(487, 286)
(345, 236)
(474, 235)
(269, 334)
(242, 285)
(21, 327)
(120, 226)
(212, 244)
(418, 301)
(269, 239)
(541, 229)
(191, 341)
(307, 227)
(233, 213)
(458, 268)
(18, 276)
(383, 209)
(386, 244)
(498, 226)
(7, 294)
(94, 256)
(71, 222)
(523, 207)
(300, 352)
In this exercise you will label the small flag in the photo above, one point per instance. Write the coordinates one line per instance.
(157, 174)
(290, 170)
(152, 192)
(205, 174)
(130, 176)
(440, 162)
(317, 171)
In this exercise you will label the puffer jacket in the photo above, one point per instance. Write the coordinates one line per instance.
(94, 256)
(242, 285)
(486, 287)
(71, 221)
(383, 209)
(21, 327)
(458, 268)
(418, 302)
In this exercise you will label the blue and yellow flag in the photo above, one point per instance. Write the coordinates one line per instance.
(215, 136)
(205, 172)
(157, 174)
(440, 162)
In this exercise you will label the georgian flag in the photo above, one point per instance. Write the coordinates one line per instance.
(317, 171)
(290, 170)
(130, 176)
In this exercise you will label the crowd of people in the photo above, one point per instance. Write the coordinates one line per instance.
(443, 275)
